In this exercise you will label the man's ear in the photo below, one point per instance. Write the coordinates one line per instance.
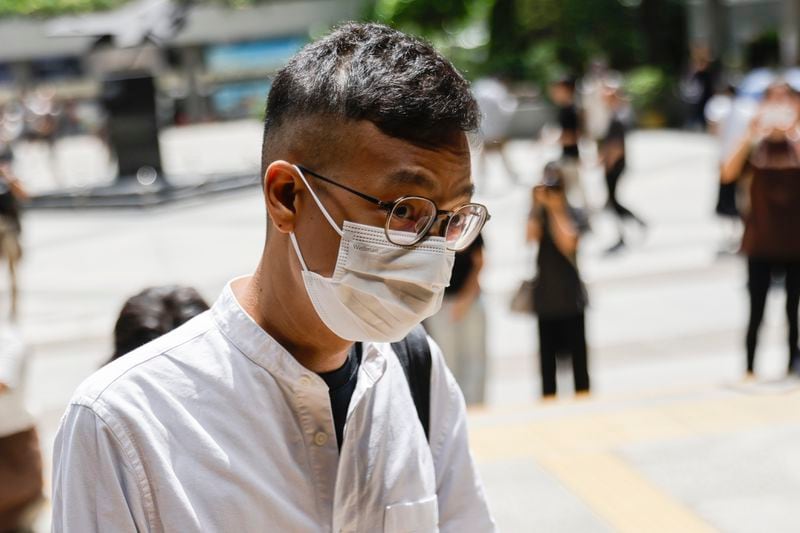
(281, 184)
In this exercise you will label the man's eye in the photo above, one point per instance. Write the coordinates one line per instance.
(404, 212)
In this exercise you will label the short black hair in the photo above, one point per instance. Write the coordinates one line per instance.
(152, 313)
(367, 71)
(567, 81)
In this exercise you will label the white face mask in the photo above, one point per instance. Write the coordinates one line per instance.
(379, 291)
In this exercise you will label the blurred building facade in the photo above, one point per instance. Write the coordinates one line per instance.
(216, 66)
(730, 28)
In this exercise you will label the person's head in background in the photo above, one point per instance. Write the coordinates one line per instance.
(152, 313)
(613, 96)
(562, 91)
(777, 118)
(779, 92)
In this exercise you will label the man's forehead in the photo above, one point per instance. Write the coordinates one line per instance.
(359, 153)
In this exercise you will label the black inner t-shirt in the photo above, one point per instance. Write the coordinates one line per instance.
(341, 384)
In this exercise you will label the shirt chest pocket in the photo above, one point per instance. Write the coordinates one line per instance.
(413, 517)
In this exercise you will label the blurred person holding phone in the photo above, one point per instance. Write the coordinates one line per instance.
(559, 296)
(770, 154)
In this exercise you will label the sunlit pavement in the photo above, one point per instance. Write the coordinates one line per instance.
(671, 439)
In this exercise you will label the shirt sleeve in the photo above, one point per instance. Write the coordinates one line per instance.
(462, 504)
(94, 487)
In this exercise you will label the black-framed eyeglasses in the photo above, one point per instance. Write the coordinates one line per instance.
(409, 219)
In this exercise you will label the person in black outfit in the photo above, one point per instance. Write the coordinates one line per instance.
(612, 153)
(698, 87)
(562, 93)
(559, 294)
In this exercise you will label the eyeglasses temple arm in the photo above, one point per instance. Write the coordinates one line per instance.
(376, 201)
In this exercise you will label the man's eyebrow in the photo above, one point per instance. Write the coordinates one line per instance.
(467, 190)
(409, 177)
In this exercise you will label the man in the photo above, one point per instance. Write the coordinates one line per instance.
(262, 414)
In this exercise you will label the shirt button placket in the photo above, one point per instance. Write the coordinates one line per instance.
(320, 438)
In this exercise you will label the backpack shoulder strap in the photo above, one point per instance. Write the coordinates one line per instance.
(414, 354)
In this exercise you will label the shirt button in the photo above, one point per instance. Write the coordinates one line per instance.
(320, 438)
(305, 381)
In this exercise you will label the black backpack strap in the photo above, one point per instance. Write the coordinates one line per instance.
(414, 354)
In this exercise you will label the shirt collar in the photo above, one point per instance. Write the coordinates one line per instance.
(259, 346)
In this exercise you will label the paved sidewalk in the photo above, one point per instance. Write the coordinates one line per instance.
(671, 439)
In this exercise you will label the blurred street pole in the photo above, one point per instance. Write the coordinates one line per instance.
(717, 14)
(790, 20)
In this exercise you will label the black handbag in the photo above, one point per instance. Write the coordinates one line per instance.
(522, 301)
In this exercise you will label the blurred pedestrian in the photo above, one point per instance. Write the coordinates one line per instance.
(152, 313)
(460, 325)
(308, 398)
(12, 193)
(42, 117)
(497, 105)
(613, 158)
(698, 85)
(562, 93)
(722, 115)
(770, 153)
(559, 296)
(21, 479)
(593, 99)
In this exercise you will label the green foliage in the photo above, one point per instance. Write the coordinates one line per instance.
(422, 15)
(47, 8)
(573, 30)
(764, 50)
(541, 61)
(541, 39)
(646, 86)
(54, 7)
(429, 17)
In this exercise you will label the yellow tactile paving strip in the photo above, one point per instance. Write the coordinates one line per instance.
(578, 449)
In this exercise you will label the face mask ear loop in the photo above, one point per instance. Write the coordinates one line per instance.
(297, 251)
(319, 204)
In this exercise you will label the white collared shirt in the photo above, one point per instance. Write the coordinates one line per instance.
(216, 427)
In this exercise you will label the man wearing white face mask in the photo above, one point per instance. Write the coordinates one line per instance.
(290, 405)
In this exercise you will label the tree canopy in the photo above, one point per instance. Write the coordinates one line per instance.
(54, 7)
(539, 39)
